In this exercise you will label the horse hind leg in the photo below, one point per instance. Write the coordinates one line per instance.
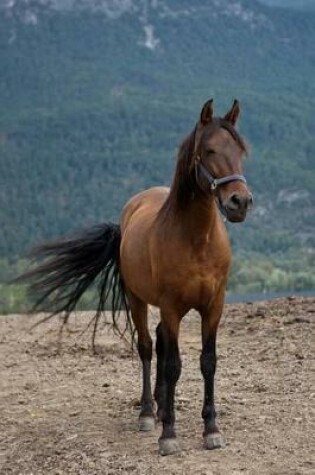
(139, 312)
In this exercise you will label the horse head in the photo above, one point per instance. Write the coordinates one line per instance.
(218, 154)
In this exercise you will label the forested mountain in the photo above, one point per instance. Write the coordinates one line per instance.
(96, 95)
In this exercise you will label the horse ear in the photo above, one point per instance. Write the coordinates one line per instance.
(233, 114)
(207, 112)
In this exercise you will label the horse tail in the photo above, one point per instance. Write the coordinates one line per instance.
(69, 266)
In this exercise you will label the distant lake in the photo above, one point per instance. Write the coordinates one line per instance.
(255, 297)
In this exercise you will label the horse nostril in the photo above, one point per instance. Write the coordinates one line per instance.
(238, 202)
(235, 202)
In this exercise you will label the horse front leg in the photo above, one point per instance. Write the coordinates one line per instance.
(160, 387)
(168, 373)
(210, 320)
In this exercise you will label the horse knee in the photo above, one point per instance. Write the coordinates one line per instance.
(169, 361)
(159, 346)
(173, 366)
(145, 349)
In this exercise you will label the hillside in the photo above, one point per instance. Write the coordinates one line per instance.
(95, 97)
(297, 4)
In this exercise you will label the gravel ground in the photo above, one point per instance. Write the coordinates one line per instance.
(67, 411)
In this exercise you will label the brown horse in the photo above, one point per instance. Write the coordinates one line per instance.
(172, 251)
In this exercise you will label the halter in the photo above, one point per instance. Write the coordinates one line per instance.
(215, 182)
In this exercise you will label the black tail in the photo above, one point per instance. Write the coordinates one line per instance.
(70, 266)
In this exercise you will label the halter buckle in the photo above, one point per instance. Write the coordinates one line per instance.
(214, 185)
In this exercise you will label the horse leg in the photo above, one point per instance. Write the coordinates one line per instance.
(139, 312)
(160, 388)
(210, 320)
(168, 372)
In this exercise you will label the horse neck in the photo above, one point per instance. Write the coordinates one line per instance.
(197, 221)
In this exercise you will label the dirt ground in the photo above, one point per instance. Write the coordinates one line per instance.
(67, 411)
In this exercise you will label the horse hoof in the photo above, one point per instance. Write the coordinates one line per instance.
(168, 446)
(214, 441)
(146, 424)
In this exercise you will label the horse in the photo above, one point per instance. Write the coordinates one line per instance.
(170, 250)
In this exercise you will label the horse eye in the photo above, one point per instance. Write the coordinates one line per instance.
(210, 151)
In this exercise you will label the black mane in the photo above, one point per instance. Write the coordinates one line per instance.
(184, 184)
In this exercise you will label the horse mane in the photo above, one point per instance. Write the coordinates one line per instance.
(184, 186)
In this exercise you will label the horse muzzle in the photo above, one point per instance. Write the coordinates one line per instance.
(236, 206)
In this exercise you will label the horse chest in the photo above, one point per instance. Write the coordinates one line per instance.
(202, 287)
(192, 278)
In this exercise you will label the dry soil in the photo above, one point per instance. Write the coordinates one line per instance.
(67, 411)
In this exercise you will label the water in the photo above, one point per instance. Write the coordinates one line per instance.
(256, 297)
